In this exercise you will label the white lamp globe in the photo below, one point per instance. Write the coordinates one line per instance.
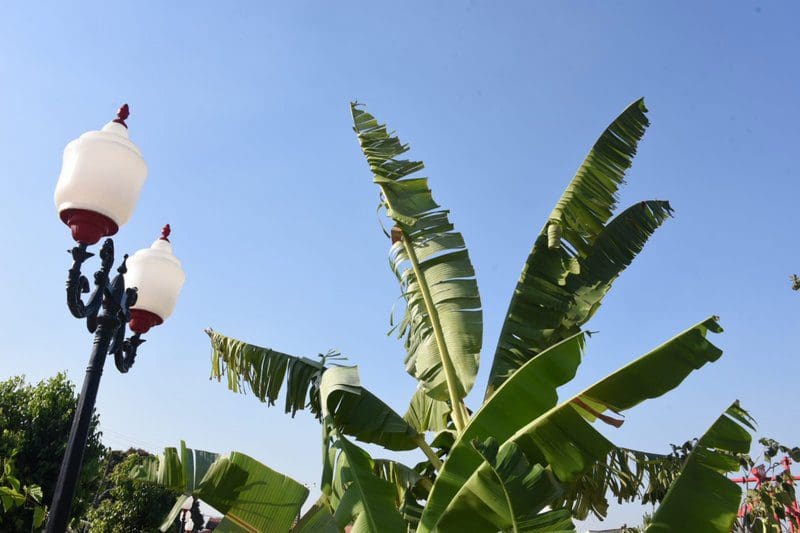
(101, 177)
(158, 277)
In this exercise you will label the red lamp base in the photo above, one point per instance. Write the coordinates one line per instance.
(87, 226)
(142, 321)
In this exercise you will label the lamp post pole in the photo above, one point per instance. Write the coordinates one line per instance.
(73, 458)
(106, 314)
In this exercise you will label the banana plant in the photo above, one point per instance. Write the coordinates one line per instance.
(525, 460)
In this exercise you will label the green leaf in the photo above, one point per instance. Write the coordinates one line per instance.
(523, 412)
(627, 475)
(264, 371)
(355, 410)
(618, 244)
(562, 286)
(403, 478)
(411, 488)
(169, 520)
(318, 519)
(426, 414)
(702, 498)
(179, 471)
(187, 464)
(35, 492)
(11, 498)
(39, 514)
(591, 197)
(361, 497)
(252, 496)
(446, 295)
(656, 372)
(170, 471)
(507, 493)
(359, 413)
(530, 393)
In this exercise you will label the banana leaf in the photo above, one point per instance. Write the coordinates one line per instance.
(318, 519)
(507, 494)
(357, 412)
(403, 478)
(577, 256)
(626, 475)
(531, 392)
(702, 498)
(411, 488)
(559, 436)
(360, 497)
(442, 303)
(251, 496)
(426, 414)
(178, 468)
(264, 371)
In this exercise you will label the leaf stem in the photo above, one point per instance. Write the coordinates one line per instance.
(429, 453)
(449, 370)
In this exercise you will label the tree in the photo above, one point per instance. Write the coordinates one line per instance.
(35, 421)
(525, 460)
(130, 504)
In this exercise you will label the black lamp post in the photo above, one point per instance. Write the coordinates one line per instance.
(106, 314)
(101, 177)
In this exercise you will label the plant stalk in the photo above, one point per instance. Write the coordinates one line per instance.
(429, 453)
(458, 408)
(464, 412)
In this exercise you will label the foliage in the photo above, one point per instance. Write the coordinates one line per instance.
(628, 475)
(25, 499)
(526, 460)
(130, 504)
(770, 499)
(771, 503)
(443, 323)
(359, 495)
(702, 499)
(577, 256)
(35, 421)
(264, 372)
(252, 496)
(524, 413)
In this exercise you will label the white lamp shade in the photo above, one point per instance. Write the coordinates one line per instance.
(158, 276)
(102, 172)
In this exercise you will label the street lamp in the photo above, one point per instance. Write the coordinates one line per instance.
(101, 177)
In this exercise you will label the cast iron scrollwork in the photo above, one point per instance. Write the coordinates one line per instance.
(110, 302)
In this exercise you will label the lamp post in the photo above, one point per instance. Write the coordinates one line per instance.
(101, 177)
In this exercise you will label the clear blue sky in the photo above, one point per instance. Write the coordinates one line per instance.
(241, 111)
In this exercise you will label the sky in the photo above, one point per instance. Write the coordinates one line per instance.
(241, 112)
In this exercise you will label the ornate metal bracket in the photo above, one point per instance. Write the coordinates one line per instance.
(109, 302)
(77, 284)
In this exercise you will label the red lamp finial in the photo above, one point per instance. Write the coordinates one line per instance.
(165, 231)
(122, 113)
